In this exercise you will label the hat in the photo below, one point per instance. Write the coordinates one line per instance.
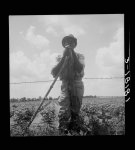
(68, 39)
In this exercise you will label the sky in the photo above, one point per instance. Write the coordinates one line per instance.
(35, 42)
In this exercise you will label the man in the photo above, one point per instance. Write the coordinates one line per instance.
(72, 88)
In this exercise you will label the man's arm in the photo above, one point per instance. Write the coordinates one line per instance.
(67, 52)
(56, 68)
(60, 60)
(78, 66)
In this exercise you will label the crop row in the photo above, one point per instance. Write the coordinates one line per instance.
(96, 119)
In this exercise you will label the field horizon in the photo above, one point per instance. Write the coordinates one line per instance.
(94, 113)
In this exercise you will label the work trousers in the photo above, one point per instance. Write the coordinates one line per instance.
(66, 106)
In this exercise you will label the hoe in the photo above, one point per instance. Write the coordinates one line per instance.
(45, 97)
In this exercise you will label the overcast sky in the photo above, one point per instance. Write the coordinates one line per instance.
(35, 41)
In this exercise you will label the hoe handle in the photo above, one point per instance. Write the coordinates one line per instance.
(33, 117)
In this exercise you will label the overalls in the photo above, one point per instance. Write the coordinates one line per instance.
(68, 106)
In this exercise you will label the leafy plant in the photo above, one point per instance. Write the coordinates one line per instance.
(94, 119)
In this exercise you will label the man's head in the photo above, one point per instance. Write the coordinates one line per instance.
(69, 41)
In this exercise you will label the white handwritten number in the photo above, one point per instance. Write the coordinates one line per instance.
(127, 60)
(126, 86)
(127, 91)
(127, 73)
(127, 79)
(128, 99)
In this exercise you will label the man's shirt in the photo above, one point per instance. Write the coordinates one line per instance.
(78, 76)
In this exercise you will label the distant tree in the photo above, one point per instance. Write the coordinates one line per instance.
(23, 99)
(50, 98)
(28, 99)
(39, 98)
(32, 99)
(13, 100)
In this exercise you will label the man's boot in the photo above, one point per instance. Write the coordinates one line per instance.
(74, 123)
(63, 126)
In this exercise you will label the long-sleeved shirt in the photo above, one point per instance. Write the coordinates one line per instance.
(78, 76)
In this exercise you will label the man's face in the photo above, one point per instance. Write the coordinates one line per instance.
(70, 44)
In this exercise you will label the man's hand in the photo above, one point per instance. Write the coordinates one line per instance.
(67, 52)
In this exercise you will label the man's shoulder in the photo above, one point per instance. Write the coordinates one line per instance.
(58, 57)
(81, 58)
(79, 55)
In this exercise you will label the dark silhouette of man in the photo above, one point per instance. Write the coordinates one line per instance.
(72, 88)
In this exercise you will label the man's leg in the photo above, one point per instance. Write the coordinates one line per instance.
(76, 102)
(64, 110)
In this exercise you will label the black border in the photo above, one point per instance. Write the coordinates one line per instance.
(62, 10)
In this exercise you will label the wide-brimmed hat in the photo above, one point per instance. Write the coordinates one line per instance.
(68, 39)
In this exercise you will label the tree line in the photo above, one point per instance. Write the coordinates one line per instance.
(24, 99)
